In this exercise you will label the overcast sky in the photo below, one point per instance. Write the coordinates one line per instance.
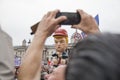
(17, 16)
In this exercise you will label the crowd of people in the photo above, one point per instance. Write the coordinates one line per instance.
(94, 58)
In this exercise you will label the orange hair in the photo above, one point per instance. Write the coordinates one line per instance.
(62, 37)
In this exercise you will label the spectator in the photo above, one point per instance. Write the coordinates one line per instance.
(6, 57)
(95, 58)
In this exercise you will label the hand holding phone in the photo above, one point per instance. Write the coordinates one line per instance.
(72, 18)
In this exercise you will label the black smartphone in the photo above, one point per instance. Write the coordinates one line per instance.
(72, 18)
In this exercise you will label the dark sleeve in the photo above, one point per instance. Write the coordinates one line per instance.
(54, 55)
(64, 55)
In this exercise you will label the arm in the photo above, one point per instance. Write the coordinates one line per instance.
(31, 63)
(88, 24)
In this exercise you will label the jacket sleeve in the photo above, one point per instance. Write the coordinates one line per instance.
(6, 57)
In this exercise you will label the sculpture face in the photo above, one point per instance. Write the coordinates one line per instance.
(60, 44)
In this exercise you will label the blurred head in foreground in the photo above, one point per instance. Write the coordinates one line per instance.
(97, 57)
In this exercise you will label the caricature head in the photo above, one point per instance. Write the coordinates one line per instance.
(61, 39)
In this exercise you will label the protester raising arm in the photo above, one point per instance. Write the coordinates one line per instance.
(32, 60)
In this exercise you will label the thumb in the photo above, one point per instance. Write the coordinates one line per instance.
(60, 19)
(74, 26)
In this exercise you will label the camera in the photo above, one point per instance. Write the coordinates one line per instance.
(72, 18)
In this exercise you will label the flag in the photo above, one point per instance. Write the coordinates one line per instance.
(97, 19)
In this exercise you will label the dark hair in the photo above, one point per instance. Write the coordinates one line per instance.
(97, 57)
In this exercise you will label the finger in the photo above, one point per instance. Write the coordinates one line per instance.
(74, 26)
(44, 16)
(58, 26)
(60, 19)
(49, 13)
(80, 11)
(54, 29)
(53, 14)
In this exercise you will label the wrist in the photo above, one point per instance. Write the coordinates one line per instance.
(93, 30)
(40, 34)
(40, 38)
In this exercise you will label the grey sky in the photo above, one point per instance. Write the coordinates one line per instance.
(16, 16)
